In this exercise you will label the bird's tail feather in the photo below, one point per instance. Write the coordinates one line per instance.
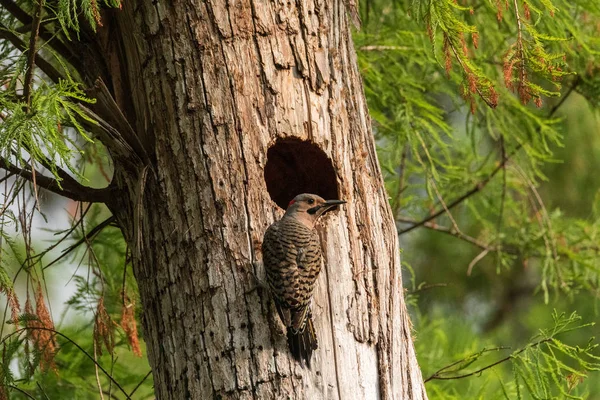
(302, 343)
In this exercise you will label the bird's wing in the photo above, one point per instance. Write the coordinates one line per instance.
(308, 262)
(279, 257)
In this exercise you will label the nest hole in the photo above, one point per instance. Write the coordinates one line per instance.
(296, 166)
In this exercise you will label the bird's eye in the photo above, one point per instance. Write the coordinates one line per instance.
(311, 201)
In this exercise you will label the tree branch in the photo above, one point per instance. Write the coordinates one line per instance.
(27, 85)
(97, 229)
(58, 46)
(64, 237)
(437, 376)
(503, 194)
(44, 65)
(427, 287)
(452, 232)
(522, 89)
(6, 177)
(475, 260)
(117, 133)
(140, 383)
(478, 187)
(386, 48)
(81, 349)
(573, 86)
(505, 158)
(20, 391)
(398, 199)
(468, 358)
(487, 101)
(69, 187)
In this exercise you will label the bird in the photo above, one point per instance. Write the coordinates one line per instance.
(292, 258)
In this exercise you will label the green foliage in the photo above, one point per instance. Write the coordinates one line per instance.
(39, 130)
(545, 368)
(43, 128)
(69, 13)
(424, 142)
(91, 333)
(473, 169)
(41, 120)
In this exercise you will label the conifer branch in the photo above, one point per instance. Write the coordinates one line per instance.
(441, 199)
(468, 358)
(7, 176)
(81, 349)
(476, 188)
(505, 158)
(65, 236)
(27, 85)
(18, 389)
(97, 229)
(436, 375)
(113, 128)
(386, 48)
(427, 287)
(503, 192)
(19, 44)
(397, 202)
(490, 103)
(576, 82)
(475, 260)
(522, 89)
(140, 383)
(69, 188)
(455, 233)
(49, 37)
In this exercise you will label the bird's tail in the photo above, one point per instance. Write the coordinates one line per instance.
(303, 342)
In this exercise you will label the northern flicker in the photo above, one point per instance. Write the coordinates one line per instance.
(292, 258)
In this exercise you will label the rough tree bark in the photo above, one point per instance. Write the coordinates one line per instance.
(212, 91)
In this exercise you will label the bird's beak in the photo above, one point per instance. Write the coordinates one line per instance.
(332, 203)
(325, 206)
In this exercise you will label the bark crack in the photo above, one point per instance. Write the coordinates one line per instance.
(303, 28)
(263, 75)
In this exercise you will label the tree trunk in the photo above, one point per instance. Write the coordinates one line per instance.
(238, 106)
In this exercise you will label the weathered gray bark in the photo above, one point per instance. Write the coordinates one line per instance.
(209, 87)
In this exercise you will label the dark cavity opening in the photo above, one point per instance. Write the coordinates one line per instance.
(296, 166)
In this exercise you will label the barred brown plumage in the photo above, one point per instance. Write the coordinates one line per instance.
(292, 258)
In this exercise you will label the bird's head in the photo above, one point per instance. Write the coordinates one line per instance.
(309, 207)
